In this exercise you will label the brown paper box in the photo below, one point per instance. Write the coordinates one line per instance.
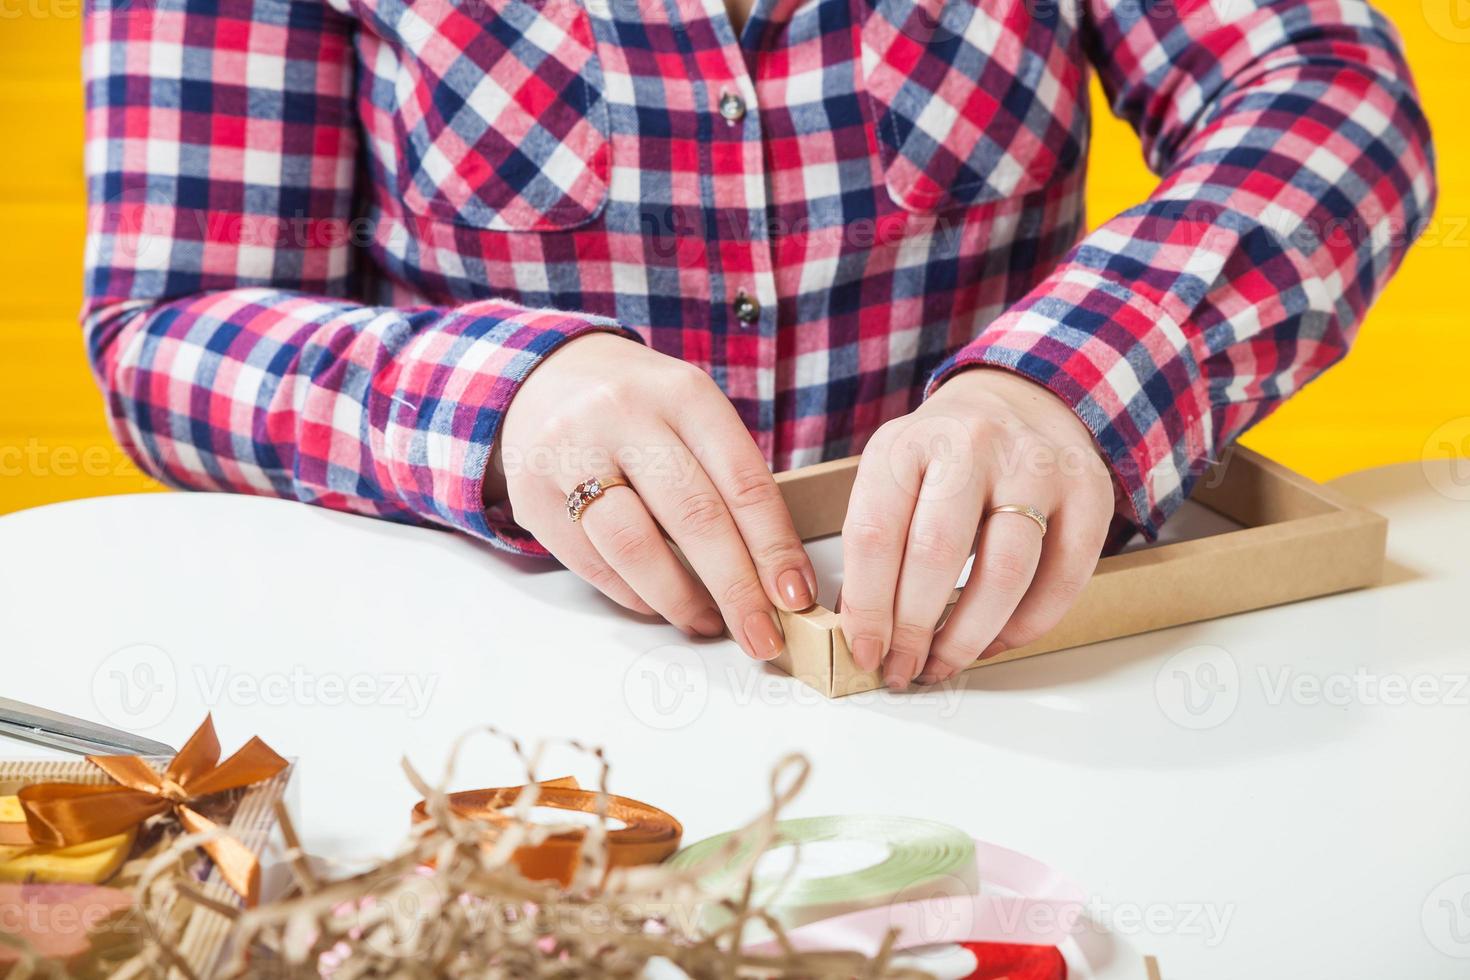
(1299, 539)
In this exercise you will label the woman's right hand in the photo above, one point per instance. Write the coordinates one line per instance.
(603, 405)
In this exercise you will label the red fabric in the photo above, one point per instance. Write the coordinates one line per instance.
(1010, 961)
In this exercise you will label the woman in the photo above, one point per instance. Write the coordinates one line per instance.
(363, 253)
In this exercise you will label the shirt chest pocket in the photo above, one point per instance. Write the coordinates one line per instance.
(500, 120)
(973, 101)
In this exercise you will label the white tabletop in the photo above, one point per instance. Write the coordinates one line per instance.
(1277, 794)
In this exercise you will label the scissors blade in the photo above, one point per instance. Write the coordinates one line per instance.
(17, 718)
(52, 740)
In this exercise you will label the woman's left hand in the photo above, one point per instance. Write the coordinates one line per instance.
(926, 483)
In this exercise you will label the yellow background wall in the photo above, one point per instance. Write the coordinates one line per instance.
(1402, 394)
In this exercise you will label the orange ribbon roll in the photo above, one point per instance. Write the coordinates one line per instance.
(648, 835)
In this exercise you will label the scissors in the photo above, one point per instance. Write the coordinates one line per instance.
(58, 731)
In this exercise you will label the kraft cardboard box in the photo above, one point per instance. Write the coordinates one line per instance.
(1295, 539)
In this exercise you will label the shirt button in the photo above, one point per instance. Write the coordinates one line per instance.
(747, 310)
(732, 107)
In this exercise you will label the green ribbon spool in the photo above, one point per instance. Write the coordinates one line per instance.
(924, 859)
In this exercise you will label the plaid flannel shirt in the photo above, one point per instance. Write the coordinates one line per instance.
(328, 238)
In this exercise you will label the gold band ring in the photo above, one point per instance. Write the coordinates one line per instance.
(589, 490)
(1025, 510)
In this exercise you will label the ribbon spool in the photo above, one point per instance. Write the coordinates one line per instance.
(648, 835)
(921, 880)
(908, 860)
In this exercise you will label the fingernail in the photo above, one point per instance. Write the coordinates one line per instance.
(867, 652)
(940, 673)
(900, 671)
(994, 649)
(763, 635)
(710, 623)
(795, 590)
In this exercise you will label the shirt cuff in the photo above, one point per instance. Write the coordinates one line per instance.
(448, 400)
(1125, 366)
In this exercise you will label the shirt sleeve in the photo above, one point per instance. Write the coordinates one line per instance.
(221, 163)
(1296, 169)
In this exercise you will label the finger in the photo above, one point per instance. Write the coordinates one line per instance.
(1074, 542)
(1005, 563)
(722, 445)
(568, 544)
(873, 534)
(940, 537)
(621, 530)
(693, 513)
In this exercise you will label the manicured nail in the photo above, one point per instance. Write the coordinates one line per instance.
(994, 649)
(932, 671)
(938, 673)
(900, 671)
(710, 623)
(867, 652)
(795, 590)
(763, 635)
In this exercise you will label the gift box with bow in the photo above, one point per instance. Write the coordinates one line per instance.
(67, 818)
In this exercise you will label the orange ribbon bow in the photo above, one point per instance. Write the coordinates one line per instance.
(64, 814)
